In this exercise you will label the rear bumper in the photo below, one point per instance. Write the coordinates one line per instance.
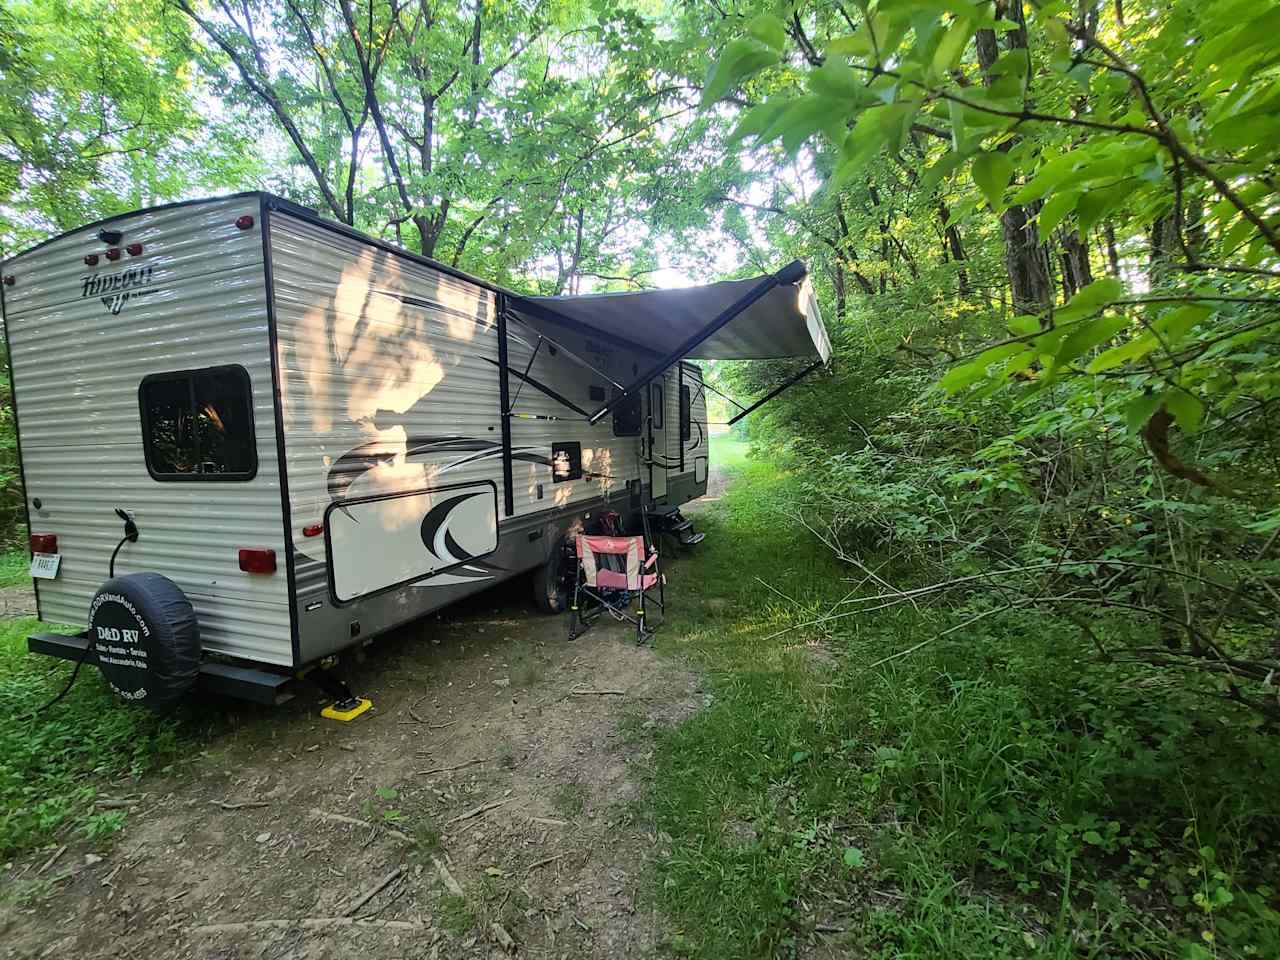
(223, 679)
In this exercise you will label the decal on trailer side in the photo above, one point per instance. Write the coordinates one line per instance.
(378, 543)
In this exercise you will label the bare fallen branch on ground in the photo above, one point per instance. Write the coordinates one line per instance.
(239, 804)
(374, 890)
(542, 863)
(476, 811)
(446, 878)
(352, 821)
(456, 766)
(306, 923)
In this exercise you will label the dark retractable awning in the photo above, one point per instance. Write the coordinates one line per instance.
(783, 322)
(760, 318)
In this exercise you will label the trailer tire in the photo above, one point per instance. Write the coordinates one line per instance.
(146, 639)
(550, 592)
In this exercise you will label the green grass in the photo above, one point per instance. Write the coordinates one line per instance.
(15, 567)
(995, 794)
(54, 764)
(729, 453)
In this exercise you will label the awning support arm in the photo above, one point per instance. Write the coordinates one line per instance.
(723, 396)
(789, 382)
(792, 273)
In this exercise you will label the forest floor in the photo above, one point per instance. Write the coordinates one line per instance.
(491, 801)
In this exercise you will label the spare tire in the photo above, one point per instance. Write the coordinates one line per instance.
(145, 638)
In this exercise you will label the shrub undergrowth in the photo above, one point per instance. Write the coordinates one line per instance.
(1000, 791)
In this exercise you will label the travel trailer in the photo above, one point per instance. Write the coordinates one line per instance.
(251, 437)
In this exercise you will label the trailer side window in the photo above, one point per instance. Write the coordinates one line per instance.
(656, 404)
(627, 415)
(686, 414)
(566, 462)
(198, 425)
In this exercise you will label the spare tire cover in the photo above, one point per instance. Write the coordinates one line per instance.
(146, 639)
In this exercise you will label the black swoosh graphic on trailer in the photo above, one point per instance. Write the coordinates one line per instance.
(435, 517)
(353, 464)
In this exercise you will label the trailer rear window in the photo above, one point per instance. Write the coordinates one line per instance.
(198, 425)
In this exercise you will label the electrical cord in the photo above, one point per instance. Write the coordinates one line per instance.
(130, 536)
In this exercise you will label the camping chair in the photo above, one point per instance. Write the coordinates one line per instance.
(597, 588)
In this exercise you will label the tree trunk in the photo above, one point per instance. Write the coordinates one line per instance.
(1113, 253)
(951, 244)
(837, 281)
(1025, 256)
(1076, 270)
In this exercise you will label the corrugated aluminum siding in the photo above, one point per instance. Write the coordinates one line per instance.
(608, 462)
(390, 383)
(77, 367)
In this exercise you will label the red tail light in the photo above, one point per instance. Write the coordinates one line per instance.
(8, 281)
(134, 249)
(313, 530)
(113, 253)
(91, 259)
(43, 543)
(245, 222)
(257, 561)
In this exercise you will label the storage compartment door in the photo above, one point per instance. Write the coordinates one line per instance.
(381, 542)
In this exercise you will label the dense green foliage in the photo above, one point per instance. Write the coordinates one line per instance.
(1001, 793)
(1088, 187)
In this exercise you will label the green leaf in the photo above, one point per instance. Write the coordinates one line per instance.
(1093, 837)
(1186, 409)
(865, 41)
(853, 858)
(1177, 323)
(951, 47)
(1049, 177)
(1055, 209)
(1125, 353)
(992, 172)
(769, 30)
(802, 118)
(945, 166)
(957, 378)
(1096, 204)
(1024, 325)
(835, 78)
(741, 58)
(757, 120)
(1089, 300)
(1138, 411)
(1089, 335)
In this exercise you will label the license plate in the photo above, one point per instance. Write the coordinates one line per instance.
(44, 566)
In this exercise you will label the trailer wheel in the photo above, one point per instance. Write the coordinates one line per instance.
(145, 638)
(550, 583)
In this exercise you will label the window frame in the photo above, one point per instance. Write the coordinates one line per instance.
(686, 413)
(573, 448)
(657, 401)
(632, 401)
(189, 376)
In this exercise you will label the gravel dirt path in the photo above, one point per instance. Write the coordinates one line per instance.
(488, 804)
